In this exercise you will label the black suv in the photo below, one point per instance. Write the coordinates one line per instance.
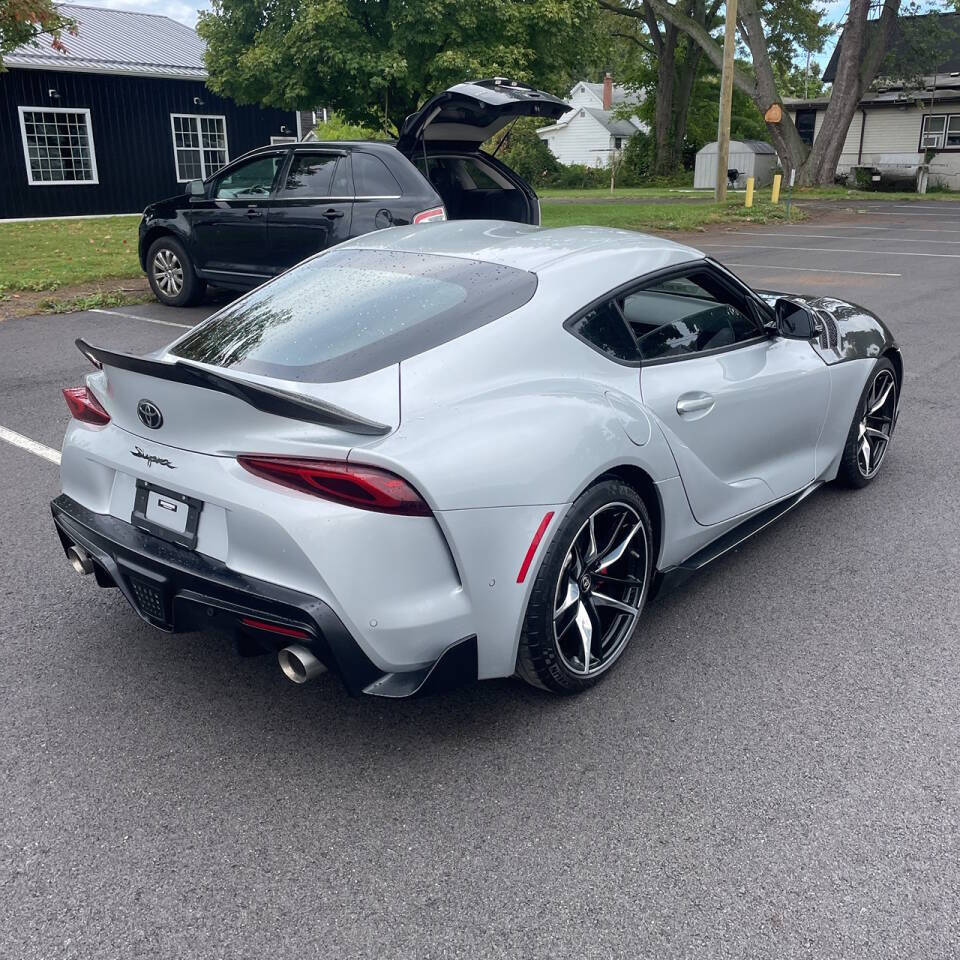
(277, 205)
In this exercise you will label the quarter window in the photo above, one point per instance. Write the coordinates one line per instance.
(199, 146)
(310, 175)
(372, 178)
(58, 146)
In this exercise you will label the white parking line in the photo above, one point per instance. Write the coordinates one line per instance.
(775, 267)
(133, 316)
(828, 236)
(890, 213)
(860, 226)
(865, 253)
(25, 443)
(916, 206)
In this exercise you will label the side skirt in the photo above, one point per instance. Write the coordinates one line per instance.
(667, 580)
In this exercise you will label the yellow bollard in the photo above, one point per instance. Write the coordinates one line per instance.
(749, 200)
(775, 195)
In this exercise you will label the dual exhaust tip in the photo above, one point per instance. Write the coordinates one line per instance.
(80, 560)
(296, 661)
(299, 664)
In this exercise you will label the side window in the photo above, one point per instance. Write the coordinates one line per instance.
(672, 318)
(372, 177)
(687, 315)
(253, 179)
(310, 175)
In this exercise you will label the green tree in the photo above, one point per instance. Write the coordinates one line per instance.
(376, 61)
(523, 151)
(33, 22)
(774, 32)
(336, 128)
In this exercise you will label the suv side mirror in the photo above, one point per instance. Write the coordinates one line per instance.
(195, 188)
(795, 321)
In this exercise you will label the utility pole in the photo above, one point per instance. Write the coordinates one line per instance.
(726, 101)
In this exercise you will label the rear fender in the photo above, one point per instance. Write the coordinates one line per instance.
(539, 443)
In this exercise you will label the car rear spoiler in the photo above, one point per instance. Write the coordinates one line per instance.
(281, 403)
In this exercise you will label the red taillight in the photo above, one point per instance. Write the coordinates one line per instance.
(85, 407)
(368, 488)
(431, 215)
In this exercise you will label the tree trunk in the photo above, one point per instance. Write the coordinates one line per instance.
(857, 66)
(665, 154)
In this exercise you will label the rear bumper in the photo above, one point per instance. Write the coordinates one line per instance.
(178, 590)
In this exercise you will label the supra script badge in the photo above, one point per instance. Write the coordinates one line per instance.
(151, 459)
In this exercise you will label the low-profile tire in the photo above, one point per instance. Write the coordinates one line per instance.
(872, 428)
(172, 278)
(589, 591)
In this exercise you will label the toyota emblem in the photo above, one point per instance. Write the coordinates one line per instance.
(149, 414)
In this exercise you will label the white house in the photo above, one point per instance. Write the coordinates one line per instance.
(589, 133)
(896, 124)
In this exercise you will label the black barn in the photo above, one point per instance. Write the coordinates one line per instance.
(121, 119)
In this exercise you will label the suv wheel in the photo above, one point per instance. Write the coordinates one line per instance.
(170, 272)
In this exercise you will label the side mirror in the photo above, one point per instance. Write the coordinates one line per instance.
(195, 188)
(795, 321)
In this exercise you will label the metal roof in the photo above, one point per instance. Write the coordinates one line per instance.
(738, 146)
(118, 42)
(620, 92)
(616, 128)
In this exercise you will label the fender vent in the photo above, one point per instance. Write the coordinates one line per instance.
(829, 333)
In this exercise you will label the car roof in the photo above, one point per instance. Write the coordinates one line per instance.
(527, 247)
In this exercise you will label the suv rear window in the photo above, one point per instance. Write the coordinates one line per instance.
(347, 313)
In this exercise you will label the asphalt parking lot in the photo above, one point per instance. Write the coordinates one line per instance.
(772, 771)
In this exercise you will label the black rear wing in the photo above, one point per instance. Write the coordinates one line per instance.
(280, 403)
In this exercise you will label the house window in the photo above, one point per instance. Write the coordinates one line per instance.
(58, 146)
(931, 136)
(953, 131)
(199, 145)
(617, 143)
(806, 122)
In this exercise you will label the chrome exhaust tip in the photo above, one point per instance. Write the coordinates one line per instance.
(80, 560)
(299, 664)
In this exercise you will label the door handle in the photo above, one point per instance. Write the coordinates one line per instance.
(333, 214)
(254, 212)
(696, 403)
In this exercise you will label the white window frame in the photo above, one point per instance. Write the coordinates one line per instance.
(198, 117)
(95, 177)
(940, 137)
(946, 132)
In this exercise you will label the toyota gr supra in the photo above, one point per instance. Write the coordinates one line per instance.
(464, 450)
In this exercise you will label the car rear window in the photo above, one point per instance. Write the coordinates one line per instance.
(346, 313)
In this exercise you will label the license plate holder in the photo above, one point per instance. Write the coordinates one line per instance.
(150, 509)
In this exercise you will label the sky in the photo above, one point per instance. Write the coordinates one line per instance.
(183, 10)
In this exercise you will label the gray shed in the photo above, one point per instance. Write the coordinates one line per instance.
(751, 158)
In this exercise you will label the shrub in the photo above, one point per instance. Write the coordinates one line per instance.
(524, 152)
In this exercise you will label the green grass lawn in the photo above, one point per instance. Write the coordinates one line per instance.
(663, 216)
(621, 193)
(50, 254)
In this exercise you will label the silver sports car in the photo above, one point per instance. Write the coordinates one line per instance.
(464, 450)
